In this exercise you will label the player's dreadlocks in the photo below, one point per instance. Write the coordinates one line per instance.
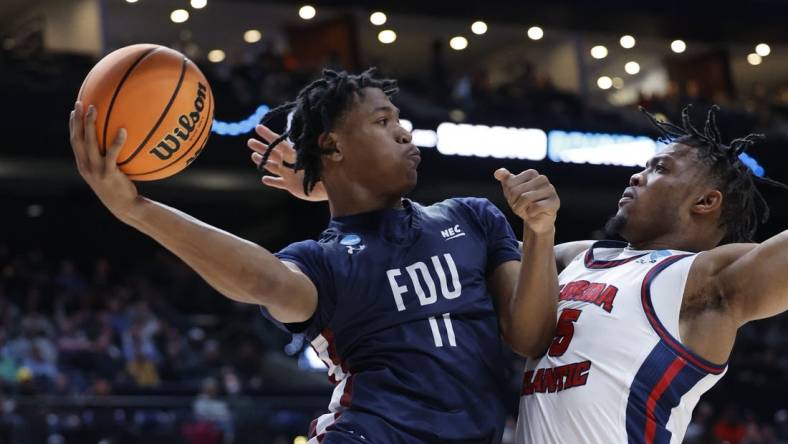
(743, 206)
(316, 109)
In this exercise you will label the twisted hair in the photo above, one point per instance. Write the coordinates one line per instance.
(315, 111)
(743, 206)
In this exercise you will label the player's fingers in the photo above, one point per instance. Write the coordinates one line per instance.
(523, 177)
(256, 145)
(287, 151)
(535, 184)
(547, 206)
(274, 182)
(257, 158)
(501, 174)
(266, 133)
(91, 142)
(79, 122)
(111, 159)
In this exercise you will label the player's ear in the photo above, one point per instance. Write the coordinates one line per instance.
(328, 142)
(708, 202)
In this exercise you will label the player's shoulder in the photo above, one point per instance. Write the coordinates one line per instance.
(475, 205)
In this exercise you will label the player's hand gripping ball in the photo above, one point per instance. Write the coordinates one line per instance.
(162, 100)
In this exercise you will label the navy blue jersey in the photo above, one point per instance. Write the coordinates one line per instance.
(406, 324)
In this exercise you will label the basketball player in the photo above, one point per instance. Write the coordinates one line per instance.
(645, 328)
(397, 298)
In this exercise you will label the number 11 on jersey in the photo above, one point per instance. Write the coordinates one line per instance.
(436, 333)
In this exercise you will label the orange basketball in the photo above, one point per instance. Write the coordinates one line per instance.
(163, 101)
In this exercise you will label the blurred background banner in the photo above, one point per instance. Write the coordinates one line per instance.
(106, 337)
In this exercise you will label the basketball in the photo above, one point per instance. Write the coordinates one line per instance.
(162, 100)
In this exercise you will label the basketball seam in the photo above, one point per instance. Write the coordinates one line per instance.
(161, 117)
(209, 116)
(117, 91)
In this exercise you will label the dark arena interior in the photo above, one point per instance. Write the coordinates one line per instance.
(108, 338)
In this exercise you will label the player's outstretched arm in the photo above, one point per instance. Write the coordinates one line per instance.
(527, 293)
(282, 176)
(239, 269)
(750, 280)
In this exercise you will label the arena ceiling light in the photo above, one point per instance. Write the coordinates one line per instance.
(535, 33)
(604, 82)
(678, 46)
(179, 15)
(307, 12)
(131, 1)
(378, 18)
(458, 43)
(618, 82)
(762, 49)
(215, 55)
(387, 36)
(754, 59)
(632, 68)
(252, 36)
(198, 4)
(479, 27)
(599, 52)
(627, 41)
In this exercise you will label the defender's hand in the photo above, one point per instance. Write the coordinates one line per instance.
(115, 190)
(532, 197)
(284, 178)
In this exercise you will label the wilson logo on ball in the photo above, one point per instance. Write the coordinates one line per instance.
(170, 144)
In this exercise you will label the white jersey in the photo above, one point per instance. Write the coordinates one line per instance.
(616, 372)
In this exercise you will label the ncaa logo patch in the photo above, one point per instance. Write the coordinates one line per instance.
(352, 242)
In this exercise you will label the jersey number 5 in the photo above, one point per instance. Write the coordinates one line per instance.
(564, 331)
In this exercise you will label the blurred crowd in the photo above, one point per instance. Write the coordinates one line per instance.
(106, 333)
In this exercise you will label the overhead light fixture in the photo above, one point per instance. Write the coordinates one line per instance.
(198, 4)
(754, 59)
(387, 36)
(535, 33)
(479, 27)
(604, 82)
(678, 46)
(252, 36)
(179, 15)
(632, 68)
(378, 18)
(599, 52)
(215, 55)
(762, 49)
(307, 12)
(627, 41)
(458, 43)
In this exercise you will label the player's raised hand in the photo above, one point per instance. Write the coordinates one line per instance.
(115, 190)
(532, 197)
(284, 177)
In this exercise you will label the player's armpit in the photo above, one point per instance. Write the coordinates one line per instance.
(295, 298)
(566, 252)
(754, 281)
(746, 281)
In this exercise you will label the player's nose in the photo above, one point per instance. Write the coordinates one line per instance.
(636, 180)
(404, 136)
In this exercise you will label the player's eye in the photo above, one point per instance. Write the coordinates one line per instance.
(659, 168)
(384, 121)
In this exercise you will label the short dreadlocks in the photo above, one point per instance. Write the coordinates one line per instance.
(316, 110)
(743, 206)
